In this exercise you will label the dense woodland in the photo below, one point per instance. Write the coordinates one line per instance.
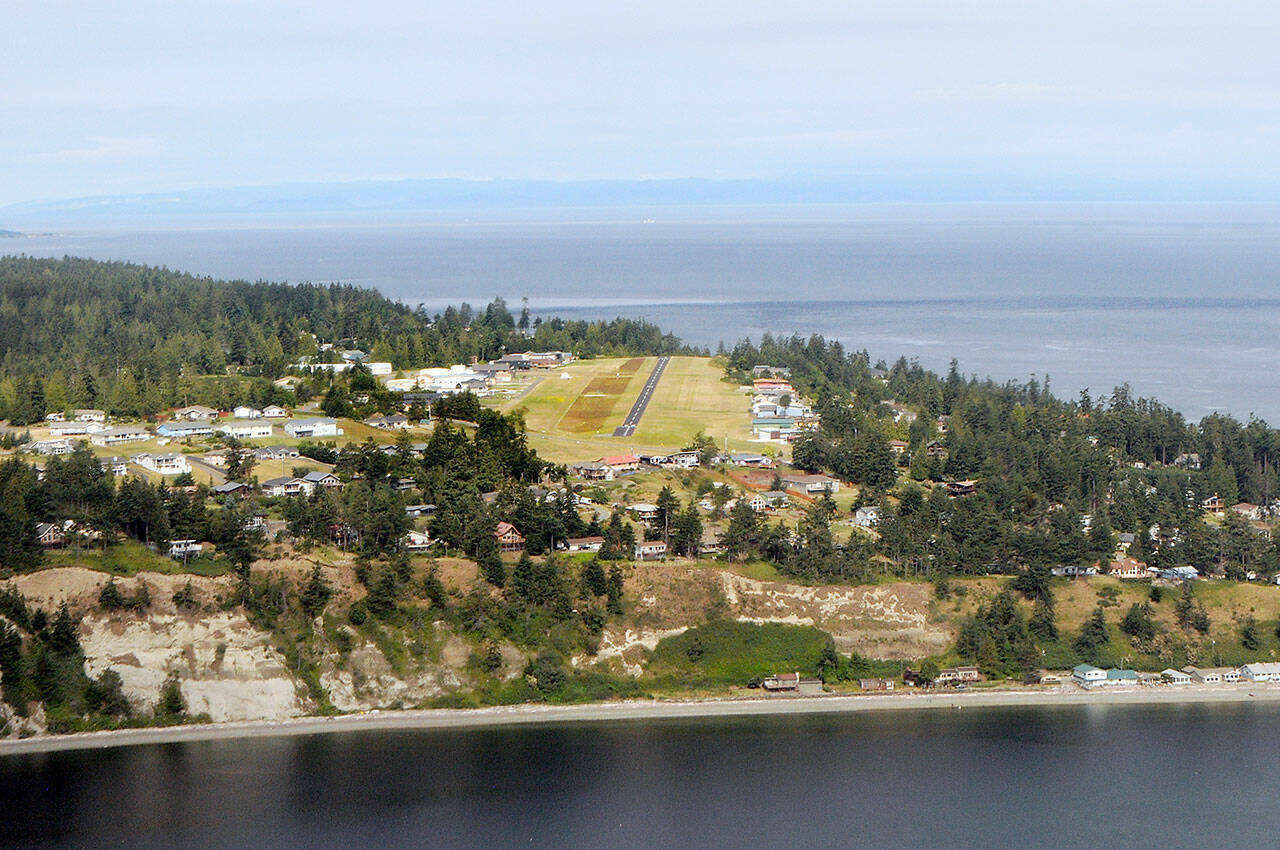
(135, 339)
(1042, 464)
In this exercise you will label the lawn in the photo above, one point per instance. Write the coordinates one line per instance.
(569, 419)
(131, 557)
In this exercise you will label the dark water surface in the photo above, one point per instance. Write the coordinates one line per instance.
(1092, 776)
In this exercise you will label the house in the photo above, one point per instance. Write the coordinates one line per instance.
(650, 550)
(775, 499)
(810, 483)
(56, 416)
(958, 676)
(1212, 505)
(1129, 568)
(875, 684)
(792, 683)
(935, 448)
(584, 544)
(63, 429)
(49, 448)
(1179, 574)
(275, 453)
(167, 464)
(592, 470)
(183, 429)
(1261, 671)
(246, 429)
(867, 516)
(184, 548)
(50, 534)
(1048, 677)
(115, 436)
(1074, 571)
(243, 411)
(644, 511)
(1187, 460)
(1088, 676)
(962, 488)
(1121, 677)
(898, 447)
(394, 422)
(1175, 677)
(1125, 539)
(750, 459)
(416, 511)
(195, 412)
(274, 411)
(509, 539)
(686, 460)
(1213, 675)
(1247, 510)
(316, 427)
(758, 503)
(216, 457)
(327, 480)
(116, 465)
(284, 486)
(416, 541)
(621, 463)
(84, 414)
(710, 544)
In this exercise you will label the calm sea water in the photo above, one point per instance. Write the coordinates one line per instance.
(1097, 776)
(1180, 301)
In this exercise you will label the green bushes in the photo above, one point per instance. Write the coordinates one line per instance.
(729, 652)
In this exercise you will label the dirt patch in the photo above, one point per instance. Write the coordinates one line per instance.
(594, 406)
(880, 621)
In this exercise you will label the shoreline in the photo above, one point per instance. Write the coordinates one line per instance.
(535, 714)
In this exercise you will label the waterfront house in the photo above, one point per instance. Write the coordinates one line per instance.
(875, 684)
(1175, 677)
(509, 539)
(1116, 677)
(1088, 676)
(958, 676)
(792, 683)
(1048, 677)
(1261, 671)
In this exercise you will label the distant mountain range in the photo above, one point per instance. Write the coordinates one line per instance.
(402, 197)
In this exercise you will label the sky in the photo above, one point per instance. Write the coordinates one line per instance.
(139, 97)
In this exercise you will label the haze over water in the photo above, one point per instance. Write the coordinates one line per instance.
(1179, 300)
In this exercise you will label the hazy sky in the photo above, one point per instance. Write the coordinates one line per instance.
(141, 96)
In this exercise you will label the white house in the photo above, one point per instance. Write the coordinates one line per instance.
(62, 429)
(125, 434)
(316, 427)
(170, 464)
(866, 517)
(51, 447)
(274, 411)
(243, 411)
(181, 430)
(184, 548)
(322, 479)
(416, 541)
(246, 429)
(1086, 675)
(1175, 677)
(116, 465)
(1261, 671)
(286, 486)
(89, 415)
(194, 412)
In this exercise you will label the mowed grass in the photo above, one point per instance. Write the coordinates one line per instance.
(690, 397)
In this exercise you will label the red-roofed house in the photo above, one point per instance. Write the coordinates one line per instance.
(1129, 568)
(622, 463)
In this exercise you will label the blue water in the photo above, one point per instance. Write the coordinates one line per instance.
(1178, 300)
(1090, 777)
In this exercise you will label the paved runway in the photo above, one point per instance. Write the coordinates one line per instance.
(628, 426)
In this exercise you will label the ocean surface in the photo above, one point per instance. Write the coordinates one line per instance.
(1080, 776)
(1180, 301)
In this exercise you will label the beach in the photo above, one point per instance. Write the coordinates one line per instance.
(640, 710)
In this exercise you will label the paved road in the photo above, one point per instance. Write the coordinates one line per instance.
(628, 426)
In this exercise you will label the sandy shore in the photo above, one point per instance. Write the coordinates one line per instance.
(648, 710)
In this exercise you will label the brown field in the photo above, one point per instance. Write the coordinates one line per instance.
(590, 411)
